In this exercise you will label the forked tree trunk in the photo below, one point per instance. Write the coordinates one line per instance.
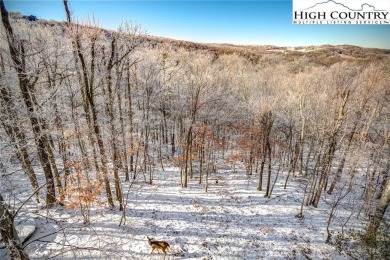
(52, 82)
(88, 87)
(327, 163)
(110, 112)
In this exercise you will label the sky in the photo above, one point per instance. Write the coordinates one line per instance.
(255, 22)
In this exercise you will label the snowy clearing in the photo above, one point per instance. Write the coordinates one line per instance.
(231, 221)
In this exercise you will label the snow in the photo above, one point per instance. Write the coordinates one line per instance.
(25, 228)
(231, 221)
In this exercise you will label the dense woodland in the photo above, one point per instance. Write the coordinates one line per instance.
(93, 109)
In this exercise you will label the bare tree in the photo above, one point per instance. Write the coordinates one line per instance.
(370, 235)
(27, 88)
(89, 87)
(9, 234)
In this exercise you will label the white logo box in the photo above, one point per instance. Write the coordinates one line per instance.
(341, 12)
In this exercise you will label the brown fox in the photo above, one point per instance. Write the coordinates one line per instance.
(159, 245)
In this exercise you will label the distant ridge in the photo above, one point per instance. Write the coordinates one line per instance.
(249, 51)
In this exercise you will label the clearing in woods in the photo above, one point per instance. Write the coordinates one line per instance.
(231, 221)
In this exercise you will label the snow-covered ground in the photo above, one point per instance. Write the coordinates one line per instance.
(231, 221)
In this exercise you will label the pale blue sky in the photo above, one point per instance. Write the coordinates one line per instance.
(238, 22)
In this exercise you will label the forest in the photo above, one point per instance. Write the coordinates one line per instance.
(105, 133)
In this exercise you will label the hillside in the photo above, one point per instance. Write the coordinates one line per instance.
(321, 55)
(222, 151)
(229, 221)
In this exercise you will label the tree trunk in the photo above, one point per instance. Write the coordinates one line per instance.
(88, 87)
(302, 135)
(370, 236)
(123, 134)
(110, 112)
(341, 165)
(18, 138)
(327, 162)
(8, 231)
(130, 115)
(26, 86)
(187, 155)
(268, 126)
(260, 186)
